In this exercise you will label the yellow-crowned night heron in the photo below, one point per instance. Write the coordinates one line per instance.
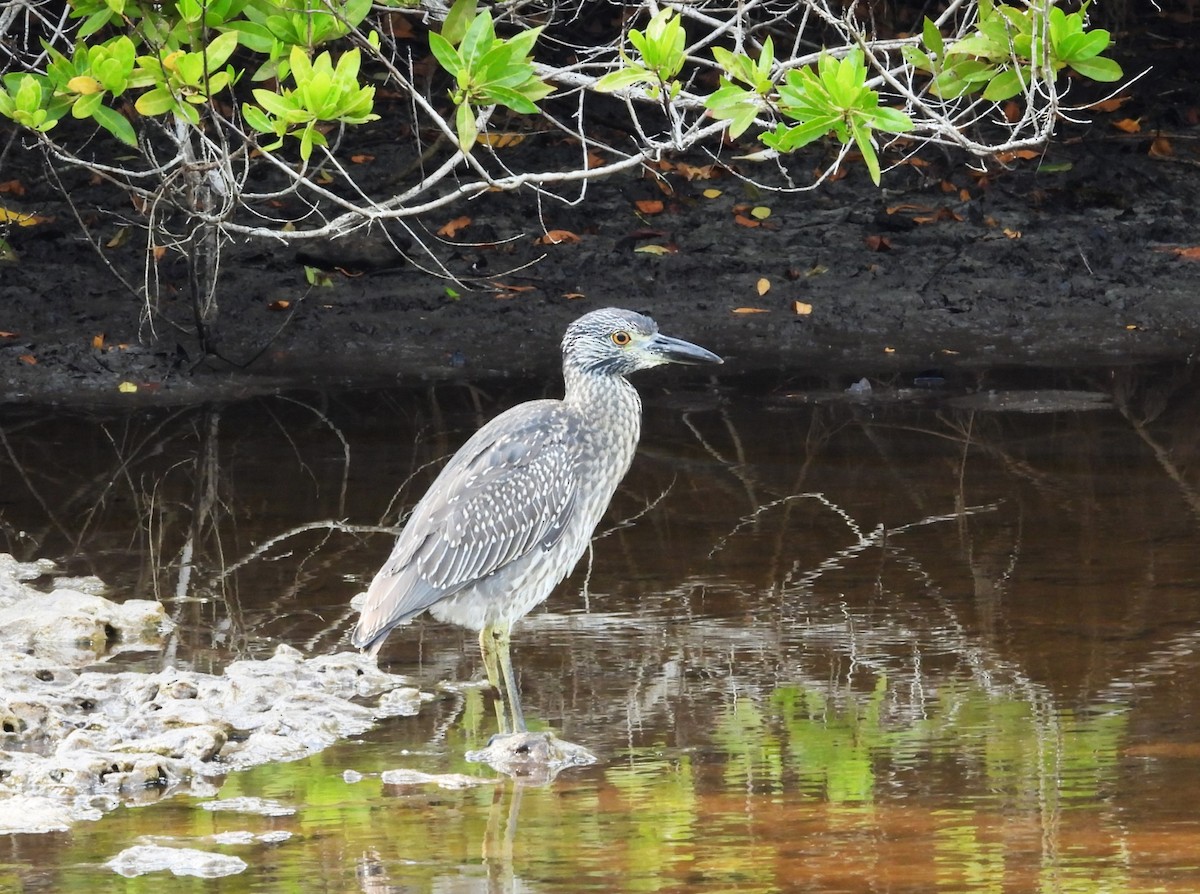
(513, 511)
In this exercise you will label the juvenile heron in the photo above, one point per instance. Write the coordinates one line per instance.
(513, 511)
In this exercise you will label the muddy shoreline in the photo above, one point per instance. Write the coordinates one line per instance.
(1075, 257)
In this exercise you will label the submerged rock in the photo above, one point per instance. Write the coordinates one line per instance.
(145, 858)
(533, 757)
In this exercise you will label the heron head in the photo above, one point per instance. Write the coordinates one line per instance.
(617, 342)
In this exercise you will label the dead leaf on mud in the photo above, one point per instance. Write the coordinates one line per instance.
(750, 310)
(505, 287)
(556, 237)
(711, 193)
(450, 229)
(801, 308)
(1011, 233)
(362, 158)
(762, 286)
(8, 215)
(937, 216)
(280, 304)
(500, 140)
(743, 221)
(28, 359)
(1161, 148)
(98, 341)
(1014, 154)
(657, 249)
(13, 187)
(649, 206)
(4, 334)
(1128, 125)
(573, 296)
(1109, 105)
(1190, 253)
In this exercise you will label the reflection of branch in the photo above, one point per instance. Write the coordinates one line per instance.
(1161, 455)
(262, 548)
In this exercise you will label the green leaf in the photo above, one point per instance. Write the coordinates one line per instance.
(445, 53)
(917, 58)
(461, 14)
(506, 96)
(889, 120)
(116, 124)
(862, 139)
(477, 41)
(257, 119)
(155, 102)
(521, 44)
(623, 78)
(219, 49)
(931, 37)
(274, 103)
(1005, 85)
(1099, 68)
(1077, 47)
(253, 36)
(790, 138)
(94, 23)
(464, 120)
(84, 106)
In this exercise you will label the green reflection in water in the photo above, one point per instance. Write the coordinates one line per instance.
(802, 788)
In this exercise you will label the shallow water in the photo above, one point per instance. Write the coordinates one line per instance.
(926, 639)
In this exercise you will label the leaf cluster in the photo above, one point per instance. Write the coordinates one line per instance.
(488, 70)
(1010, 48)
(660, 58)
(172, 58)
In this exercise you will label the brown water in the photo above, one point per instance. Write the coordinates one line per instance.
(904, 644)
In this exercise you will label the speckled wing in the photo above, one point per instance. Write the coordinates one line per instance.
(509, 490)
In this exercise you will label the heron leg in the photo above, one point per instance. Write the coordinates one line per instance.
(488, 641)
(510, 682)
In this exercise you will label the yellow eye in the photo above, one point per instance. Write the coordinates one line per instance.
(621, 338)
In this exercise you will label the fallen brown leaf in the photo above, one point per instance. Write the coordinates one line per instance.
(362, 158)
(4, 334)
(649, 206)
(750, 310)
(1191, 253)
(1161, 148)
(280, 304)
(98, 341)
(743, 221)
(1109, 105)
(556, 237)
(1128, 125)
(572, 296)
(801, 308)
(762, 286)
(12, 187)
(28, 359)
(450, 229)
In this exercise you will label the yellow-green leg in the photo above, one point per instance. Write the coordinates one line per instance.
(510, 681)
(497, 664)
(487, 648)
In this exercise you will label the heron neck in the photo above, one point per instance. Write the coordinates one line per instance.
(606, 403)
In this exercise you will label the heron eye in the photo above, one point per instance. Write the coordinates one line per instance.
(621, 338)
